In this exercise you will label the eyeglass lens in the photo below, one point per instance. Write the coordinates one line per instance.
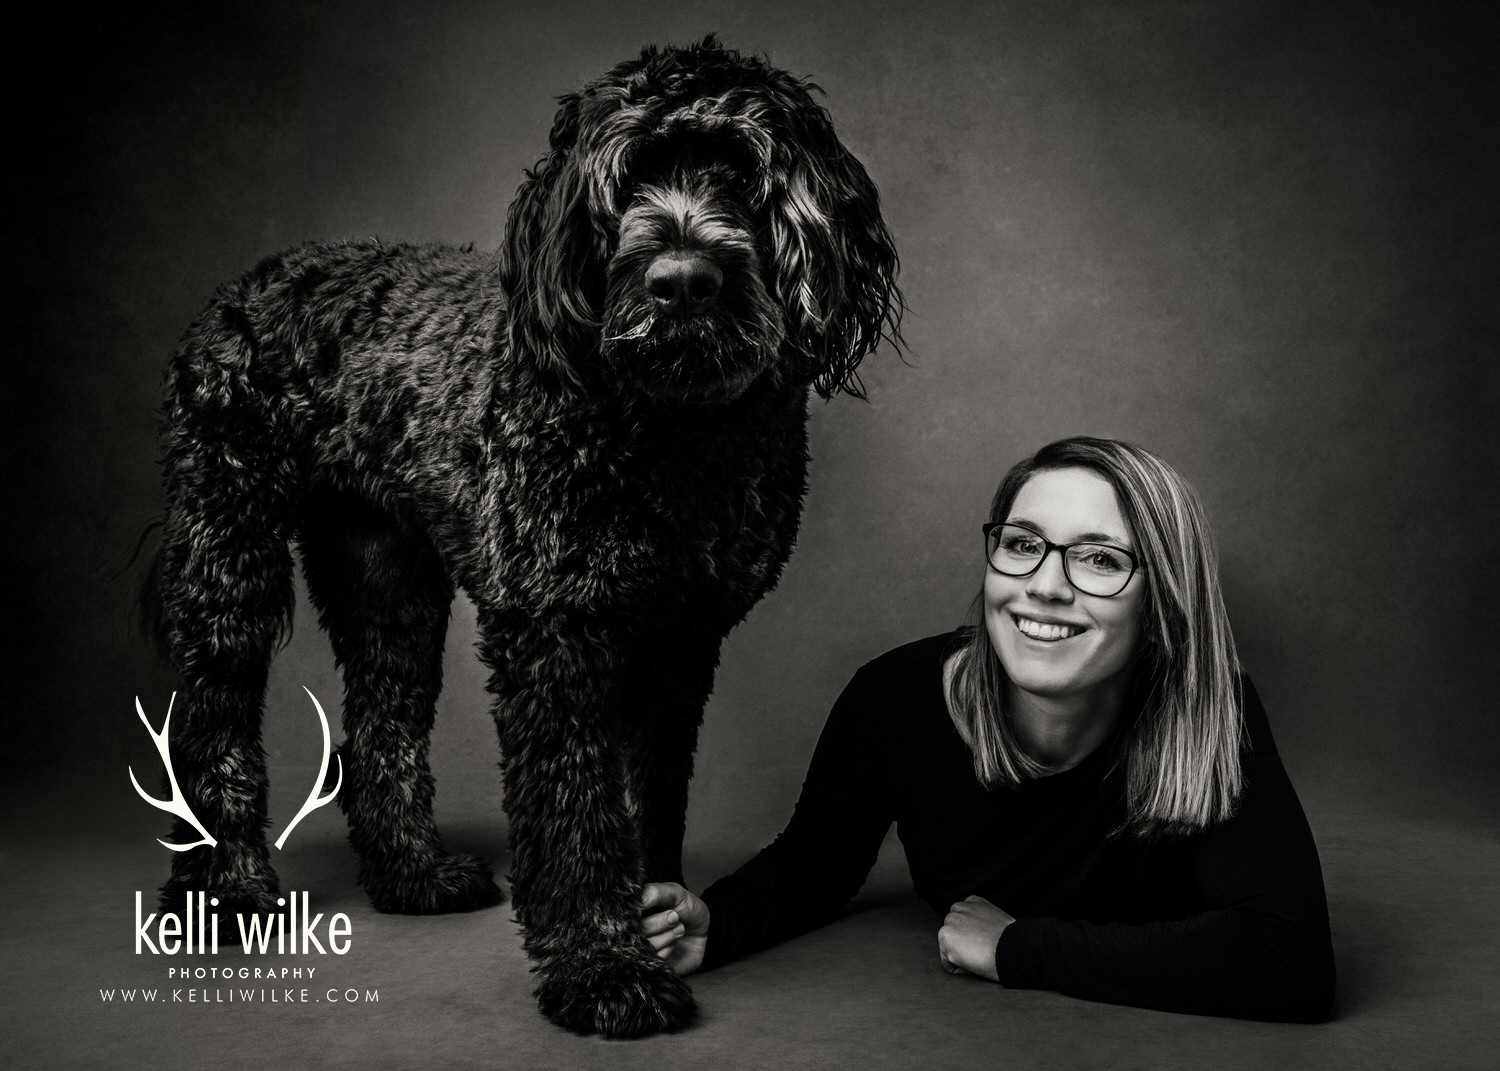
(1093, 568)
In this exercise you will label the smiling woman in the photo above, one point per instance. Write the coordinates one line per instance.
(1081, 778)
(1068, 650)
(1027, 704)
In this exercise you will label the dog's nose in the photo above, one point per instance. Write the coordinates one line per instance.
(683, 283)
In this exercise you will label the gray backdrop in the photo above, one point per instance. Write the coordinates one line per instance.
(1256, 237)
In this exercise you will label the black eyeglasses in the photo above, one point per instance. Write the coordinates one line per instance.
(1093, 568)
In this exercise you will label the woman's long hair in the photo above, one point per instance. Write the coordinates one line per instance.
(1179, 745)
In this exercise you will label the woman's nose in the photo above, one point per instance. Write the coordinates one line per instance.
(1050, 581)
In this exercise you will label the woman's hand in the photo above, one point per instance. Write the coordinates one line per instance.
(676, 923)
(966, 943)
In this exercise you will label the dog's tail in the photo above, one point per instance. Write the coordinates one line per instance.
(150, 613)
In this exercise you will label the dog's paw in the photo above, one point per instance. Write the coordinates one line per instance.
(452, 883)
(618, 996)
(221, 905)
(246, 896)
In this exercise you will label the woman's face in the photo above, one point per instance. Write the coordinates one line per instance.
(1053, 640)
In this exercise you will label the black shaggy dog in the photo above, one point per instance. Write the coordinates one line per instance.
(598, 435)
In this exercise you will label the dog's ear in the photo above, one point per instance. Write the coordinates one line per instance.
(551, 262)
(836, 265)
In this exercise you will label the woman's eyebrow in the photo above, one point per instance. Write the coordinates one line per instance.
(1086, 537)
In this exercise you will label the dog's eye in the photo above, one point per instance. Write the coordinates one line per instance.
(727, 157)
(643, 170)
(743, 184)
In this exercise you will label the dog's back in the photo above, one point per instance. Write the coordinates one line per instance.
(361, 365)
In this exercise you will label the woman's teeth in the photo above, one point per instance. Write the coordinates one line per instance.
(1039, 630)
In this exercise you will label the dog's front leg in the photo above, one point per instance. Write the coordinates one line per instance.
(575, 849)
(669, 676)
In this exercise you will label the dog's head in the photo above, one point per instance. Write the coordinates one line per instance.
(697, 225)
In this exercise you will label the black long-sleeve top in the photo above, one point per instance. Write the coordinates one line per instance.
(1230, 921)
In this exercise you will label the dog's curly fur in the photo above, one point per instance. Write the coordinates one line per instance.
(598, 435)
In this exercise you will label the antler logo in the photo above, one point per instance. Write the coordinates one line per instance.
(178, 805)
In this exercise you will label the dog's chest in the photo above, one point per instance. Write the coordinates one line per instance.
(617, 515)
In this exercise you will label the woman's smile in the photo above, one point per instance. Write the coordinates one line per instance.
(1045, 631)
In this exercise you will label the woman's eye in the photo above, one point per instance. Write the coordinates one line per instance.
(1021, 545)
(1102, 560)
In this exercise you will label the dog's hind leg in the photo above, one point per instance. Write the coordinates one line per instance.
(575, 852)
(225, 581)
(383, 597)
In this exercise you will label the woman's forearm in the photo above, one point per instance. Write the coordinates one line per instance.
(1218, 962)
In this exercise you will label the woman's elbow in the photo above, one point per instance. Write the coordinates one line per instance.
(1303, 991)
(1282, 973)
(1317, 991)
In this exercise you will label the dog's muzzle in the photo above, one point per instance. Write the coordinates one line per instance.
(688, 316)
(683, 283)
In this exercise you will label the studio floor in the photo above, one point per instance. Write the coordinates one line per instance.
(1413, 887)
